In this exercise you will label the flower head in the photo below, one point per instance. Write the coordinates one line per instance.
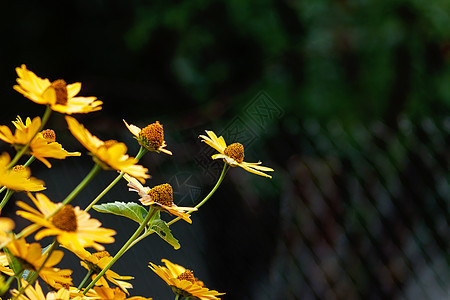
(110, 154)
(233, 154)
(36, 293)
(96, 263)
(58, 94)
(32, 258)
(24, 131)
(72, 226)
(41, 146)
(159, 197)
(18, 178)
(150, 137)
(107, 293)
(183, 282)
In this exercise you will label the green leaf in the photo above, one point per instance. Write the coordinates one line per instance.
(129, 210)
(161, 228)
(14, 263)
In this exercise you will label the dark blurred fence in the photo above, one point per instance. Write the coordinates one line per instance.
(367, 214)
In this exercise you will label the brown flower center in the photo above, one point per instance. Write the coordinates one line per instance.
(109, 143)
(60, 88)
(18, 168)
(235, 151)
(162, 194)
(152, 136)
(101, 254)
(49, 135)
(66, 219)
(187, 275)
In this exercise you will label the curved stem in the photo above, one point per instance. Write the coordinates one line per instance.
(141, 152)
(177, 297)
(124, 248)
(19, 154)
(5, 199)
(219, 181)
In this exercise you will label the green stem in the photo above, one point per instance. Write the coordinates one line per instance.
(82, 184)
(106, 190)
(124, 248)
(141, 152)
(177, 297)
(219, 181)
(7, 284)
(79, 188)
(19, 154)
(29, 161)
(8, 195)
(85, 279)
(36, 274)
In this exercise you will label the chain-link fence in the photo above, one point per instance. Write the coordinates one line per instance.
(366, 215)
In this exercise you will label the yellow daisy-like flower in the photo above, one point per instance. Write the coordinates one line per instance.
(43, 145)
(72, 226)
(58, 94)
(6, 226)
(36, 293)
(150, 137)
(159, 197)
(96, 263)
(233, 154)
(31, 258)
(19, 177)
(24, 131)
(4, 265)
(183, 282)
(110, 154)
(106, 293)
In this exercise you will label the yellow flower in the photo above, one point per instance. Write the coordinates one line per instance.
(4, 263)
(43, 145)
(18, 178)
(150, 137)
(36, 293)
(31, 258)
(106, 293)
(96, 263)
(110, 154)
(72, 226)
(58, 94)
(24, 131)
(233, 155)
(183, 282)
(159, 197)
(6, 226)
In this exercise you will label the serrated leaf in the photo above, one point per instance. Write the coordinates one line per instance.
(161, 228)
(129, 210)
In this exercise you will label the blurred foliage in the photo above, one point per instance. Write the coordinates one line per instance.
(351, 60)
